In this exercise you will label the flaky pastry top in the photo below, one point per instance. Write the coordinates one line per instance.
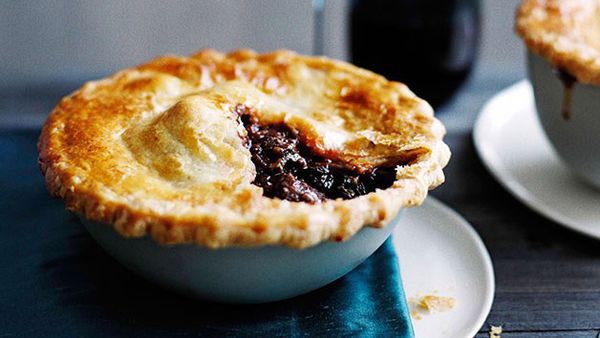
(157, 149)
(566, 33)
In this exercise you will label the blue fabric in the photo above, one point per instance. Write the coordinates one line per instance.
(56, 281)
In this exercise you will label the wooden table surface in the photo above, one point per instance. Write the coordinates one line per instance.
(547, 277)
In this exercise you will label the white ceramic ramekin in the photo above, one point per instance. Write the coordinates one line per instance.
(240, 275)
(576, 139)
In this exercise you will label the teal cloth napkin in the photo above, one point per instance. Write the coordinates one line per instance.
(56, 281)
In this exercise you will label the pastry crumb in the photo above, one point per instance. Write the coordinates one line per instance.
(495, 331)
(421, 305)
(415, 314)
(433, 303)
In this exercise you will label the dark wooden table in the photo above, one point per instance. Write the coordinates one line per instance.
(547, 277)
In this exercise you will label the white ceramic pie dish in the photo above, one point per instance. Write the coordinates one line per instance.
(577, 139)
(240, 275)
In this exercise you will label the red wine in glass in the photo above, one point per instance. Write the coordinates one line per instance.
(430, 45)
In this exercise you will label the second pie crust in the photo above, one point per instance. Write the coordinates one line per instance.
(566, 33)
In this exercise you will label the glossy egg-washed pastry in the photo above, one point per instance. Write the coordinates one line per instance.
(566, 33)
(242, 149)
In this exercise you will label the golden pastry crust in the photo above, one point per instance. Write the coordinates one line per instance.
(566, 33)
(156, 149)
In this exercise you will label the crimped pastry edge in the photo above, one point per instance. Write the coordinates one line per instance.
(297, 225)
(578, 59)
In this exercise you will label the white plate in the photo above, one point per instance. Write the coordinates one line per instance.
(512, 144)
(440, 254)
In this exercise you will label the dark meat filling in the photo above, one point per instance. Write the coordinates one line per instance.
(287, 169)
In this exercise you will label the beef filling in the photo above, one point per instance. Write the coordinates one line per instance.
(288, 169)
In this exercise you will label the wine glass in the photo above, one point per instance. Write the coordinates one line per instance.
(430, 45)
